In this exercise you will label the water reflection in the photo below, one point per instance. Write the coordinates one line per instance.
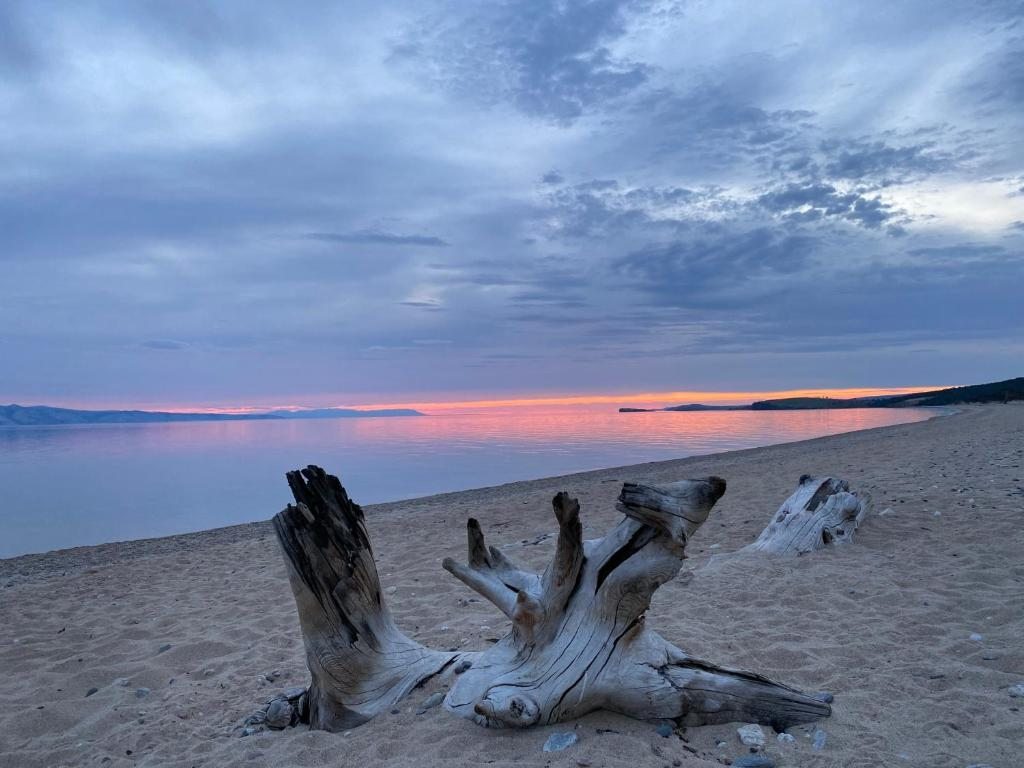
(67, 486)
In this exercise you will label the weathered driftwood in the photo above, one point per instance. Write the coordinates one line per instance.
(360, 662)
(578, 640)
(821, 512)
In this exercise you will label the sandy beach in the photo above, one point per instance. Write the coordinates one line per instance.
(916, 628)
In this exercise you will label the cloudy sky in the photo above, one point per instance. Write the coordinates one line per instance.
(368, 202)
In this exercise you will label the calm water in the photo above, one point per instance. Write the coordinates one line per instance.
(68, 486)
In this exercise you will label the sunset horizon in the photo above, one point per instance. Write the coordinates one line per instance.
(480, 400)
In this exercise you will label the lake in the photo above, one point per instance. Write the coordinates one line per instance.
(74, 485)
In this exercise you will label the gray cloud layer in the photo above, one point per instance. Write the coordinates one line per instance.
(234, 201)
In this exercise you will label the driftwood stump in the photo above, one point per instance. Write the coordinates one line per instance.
(821, 512)
(578, 642)
(360, 662)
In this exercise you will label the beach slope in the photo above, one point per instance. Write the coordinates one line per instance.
(151, 653)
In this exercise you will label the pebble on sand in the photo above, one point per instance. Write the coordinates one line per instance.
(279, 713)
(786, 738)
(751, 735)
(664, 730)
(819, 739)
(90, 692)
(430, 702)
(1017, 691)
(558, 741)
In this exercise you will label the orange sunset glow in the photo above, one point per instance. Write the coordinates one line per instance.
(652, 399)
(464, 402)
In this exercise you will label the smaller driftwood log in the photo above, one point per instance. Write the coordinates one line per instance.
(579, 640)
(821, 512)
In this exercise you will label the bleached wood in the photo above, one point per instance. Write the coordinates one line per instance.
(361, 664)
(578, 642)
(677, 509)
(821, 512)
(589, 647)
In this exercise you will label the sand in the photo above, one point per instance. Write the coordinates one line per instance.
(885, 624)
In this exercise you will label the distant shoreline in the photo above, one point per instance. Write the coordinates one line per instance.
(976, 394)
(47, 416)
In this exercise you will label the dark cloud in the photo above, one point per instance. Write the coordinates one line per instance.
(430, 306)
(877, 160)
(815, 201)
(716, 124)
(550, 59)
(716, 267)
(167, 344)
(604, 208)
(753, 302)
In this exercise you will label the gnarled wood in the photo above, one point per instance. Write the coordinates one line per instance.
(361, 664)
(584, 644)
(578, 642)
(821, 512)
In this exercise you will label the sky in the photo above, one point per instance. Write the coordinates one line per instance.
(248, 203)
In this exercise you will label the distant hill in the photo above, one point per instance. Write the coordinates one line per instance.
(819, 403)
(996, 392)
(45, 415)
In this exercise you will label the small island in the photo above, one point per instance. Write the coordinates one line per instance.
(995, 392)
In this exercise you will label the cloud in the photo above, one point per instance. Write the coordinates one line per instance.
(711, 118)
(866, 159)
(376, 238)
(998, 82)
(816, 201)
(426, 304)
(166, 344)
(565, 182)
(548, 59)
(716, 267)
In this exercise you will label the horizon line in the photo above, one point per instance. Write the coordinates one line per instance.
(665, 398)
